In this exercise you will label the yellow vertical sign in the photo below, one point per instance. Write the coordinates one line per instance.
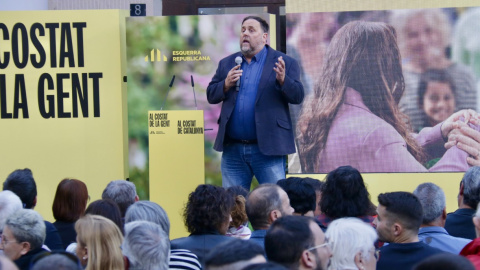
(176, 158)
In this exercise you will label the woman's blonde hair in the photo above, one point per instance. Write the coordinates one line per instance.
(103, 240)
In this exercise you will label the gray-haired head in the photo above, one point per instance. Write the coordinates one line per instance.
(27, 226)
(350, 236)
(146, 246)
(9, 204)
(57, 262)
(471, 187)
(121, 192)
(432, 199)
(149, 211)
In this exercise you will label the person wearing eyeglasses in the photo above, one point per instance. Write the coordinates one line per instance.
(23, 237)
(352, 244)
(297, 242)
(398, 222)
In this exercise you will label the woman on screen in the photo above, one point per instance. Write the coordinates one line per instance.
(353, 119)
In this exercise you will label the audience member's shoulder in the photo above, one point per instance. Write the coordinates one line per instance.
(430, 250)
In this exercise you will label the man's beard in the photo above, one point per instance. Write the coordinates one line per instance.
(319, 262)
(247, 50)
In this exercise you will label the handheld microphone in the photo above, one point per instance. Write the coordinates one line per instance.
(238, 61)
(193, 88)
(166, 95)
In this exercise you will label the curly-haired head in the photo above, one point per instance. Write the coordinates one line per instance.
(208, 209)
(344, 194)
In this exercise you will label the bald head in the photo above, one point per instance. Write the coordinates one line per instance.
(265, 204)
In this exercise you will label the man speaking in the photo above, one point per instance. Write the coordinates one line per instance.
(255, 130)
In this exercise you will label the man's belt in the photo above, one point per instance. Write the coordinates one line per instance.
(243, 141)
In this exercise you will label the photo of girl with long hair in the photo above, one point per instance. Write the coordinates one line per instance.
(352, 117)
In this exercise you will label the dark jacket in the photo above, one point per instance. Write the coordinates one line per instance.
(272, 117)
(199, 244)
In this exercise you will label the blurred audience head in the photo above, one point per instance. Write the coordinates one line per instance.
(122, 192)
(99, 243)
(317, 186)
(301, 194)
(444, 261)
(433, 203)
(148, 211)
(476, 221)
(146, 246)
(399, 216)
(297, 242)
(24, 231)
(208, 210)
(108, 209)
(21, 182)
(344, 194)
(265, 204)
(470, 188)
(70, 200)
(234, 255)
(57, 261)
(265, 266)
(352, 244)
(9, 204)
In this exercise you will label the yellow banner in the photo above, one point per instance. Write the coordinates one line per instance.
(63, 99)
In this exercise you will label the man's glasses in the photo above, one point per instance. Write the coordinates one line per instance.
(327, 243)
(5, 241)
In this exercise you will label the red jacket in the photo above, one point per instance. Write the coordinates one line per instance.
(472, 252)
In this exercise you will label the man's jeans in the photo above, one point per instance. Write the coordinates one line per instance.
(241, 161)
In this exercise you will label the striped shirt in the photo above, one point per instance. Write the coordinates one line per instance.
(183, 259)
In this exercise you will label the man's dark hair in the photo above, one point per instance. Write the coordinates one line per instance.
(232, 251)
(316, 184)
(287, 238)
(344, 194)
(262, 22)
(106, 208)
(264, 200)
(471, 187)
(301, 194)
(403, 207)
(444, 261)
(21, 183)
(207, 209)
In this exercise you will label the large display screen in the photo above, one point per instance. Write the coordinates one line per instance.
(379, 103)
